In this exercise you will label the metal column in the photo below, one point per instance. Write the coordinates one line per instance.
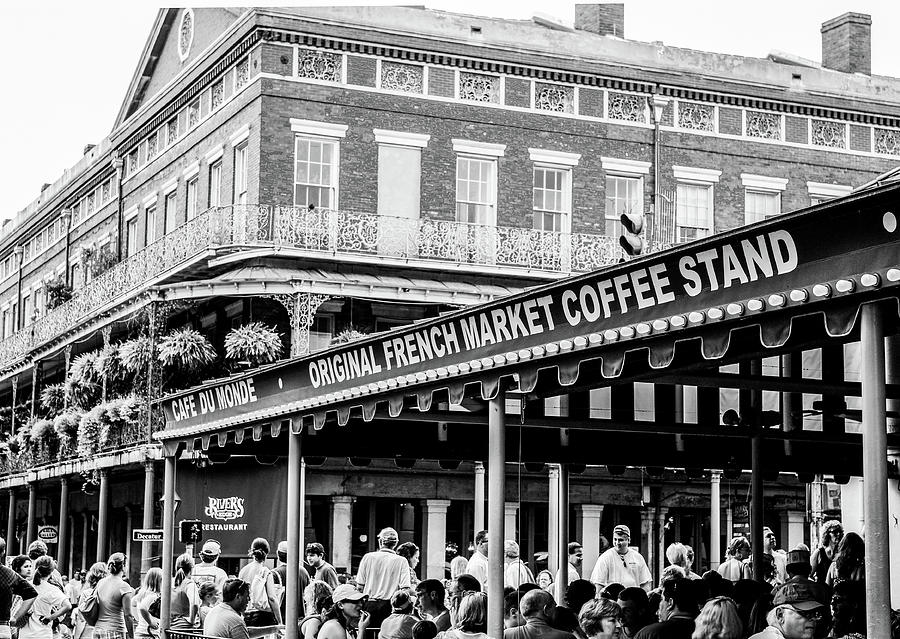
(874, 431)
(295, 500)
(562, 533)
(168, 538)
(32, 513)
(496, 511)
(147, 522)
(552, 518)
(715, 519)
(63, 539)
(756, 506)
(11, 523)
(102, 515)
(478, 519)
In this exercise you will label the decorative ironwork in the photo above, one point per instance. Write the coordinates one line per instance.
(319, 65)
(554, 97)
(626, 106)
(172, 130)
(301, 308)
(106, 191)
(186, 34)
(478, 87)
(396, 76)
(760, 124)
(887, 141)
(218, 94)
(829, 134)
(193, 114)
(695, 116)
(242, 74)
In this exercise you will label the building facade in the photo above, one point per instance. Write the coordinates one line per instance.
(324, 172)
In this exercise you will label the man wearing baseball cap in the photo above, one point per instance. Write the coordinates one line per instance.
(226, 619)
(207, 571)
(621, 564)
(381, 574)
(797, 613)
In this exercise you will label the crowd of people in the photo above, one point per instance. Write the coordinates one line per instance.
(801, 595)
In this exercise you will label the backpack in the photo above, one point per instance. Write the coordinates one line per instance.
(259, 598)
(89, 606)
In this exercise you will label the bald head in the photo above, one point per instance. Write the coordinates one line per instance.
(537, 604)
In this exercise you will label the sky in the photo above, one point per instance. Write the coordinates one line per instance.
(68, 64)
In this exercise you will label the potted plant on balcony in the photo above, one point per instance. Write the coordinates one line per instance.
(98, 261)
(58, 292)
(53, 399)
(135, 355)
(43, 439)
(184, 353)
(66, 423)
(349, 334)
(83, 382)
(252, 344)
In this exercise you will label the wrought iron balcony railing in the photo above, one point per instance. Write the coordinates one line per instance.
(325, 231)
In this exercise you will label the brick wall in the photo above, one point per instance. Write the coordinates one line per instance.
(730, 121)
(590, 102)
(518, 92)
(860, 138)
(440, 82)
(361, 71)
(796, 130)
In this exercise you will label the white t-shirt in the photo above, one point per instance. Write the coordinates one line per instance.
(382, 573)
(516, 574)
(629, 569)
(49, 600)
(478, 568)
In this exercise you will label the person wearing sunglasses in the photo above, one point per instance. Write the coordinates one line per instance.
(796, 615)
(347, 618)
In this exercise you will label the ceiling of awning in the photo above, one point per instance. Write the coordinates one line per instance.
(811, 295)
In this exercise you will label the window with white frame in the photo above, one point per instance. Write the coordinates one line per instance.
(215, 183)
(476, 181)
(399, 172)
(191, 198)
(316, 162)
(552, 189)
(321, 332)
(170, 216)
(694, 199)
(40, 302)
(5, 324)
(151, 224)
(822, 192)
(76, 277)
(624, 191)
(762, 196)
(27, 308)
(240, 174)
(131, 233)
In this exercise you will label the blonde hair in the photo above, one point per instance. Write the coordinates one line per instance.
(471, 616)
(719, 619)
(97, 572)
(152, 580)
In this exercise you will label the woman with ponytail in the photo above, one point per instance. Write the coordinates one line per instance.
(185, 599)
(265, 587)
(50, 604)
(114, 620)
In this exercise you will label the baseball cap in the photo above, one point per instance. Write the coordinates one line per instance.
(800, 595)
(346, 592)
(211, 548)
(798, 556)
(622, 529)
(387, 534)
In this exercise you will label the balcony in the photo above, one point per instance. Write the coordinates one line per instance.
(318, 233)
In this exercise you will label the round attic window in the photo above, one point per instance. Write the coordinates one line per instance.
(185, 33)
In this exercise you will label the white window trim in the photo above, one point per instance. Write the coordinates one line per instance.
(240, 135)
(170, 186)
(336, 161)
(824, 190)
(150, 200)
(191, 171)
(554, 158)
(214, 154)
(105, 240)
(763, 182)
(692, 174)
(566, 213)
(472, 147)
(320, 129)
(628, 168)
(130, 213)
(401, 138)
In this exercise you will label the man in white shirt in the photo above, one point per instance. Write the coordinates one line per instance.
(576, 556)
(516, 572)
(478, 562)
(207, 570)
(621, 564)
(381, 574)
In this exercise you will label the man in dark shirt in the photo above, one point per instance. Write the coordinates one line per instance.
(302, 581)
(677, 610)
(11, 584)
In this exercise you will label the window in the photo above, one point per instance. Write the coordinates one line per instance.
(694, 202)
(624, 191)
(822, 192)
(27, 307)
(240, 174)
(191, 195)
(762, 196)
(552, 189)
(476, 191)
(40, 302)
(131, 236)
(170, 219)
(150, 224)
(5, 326)
(399, 172)
(315, 172)
(321, 332)
(76, 278)
(215, 183)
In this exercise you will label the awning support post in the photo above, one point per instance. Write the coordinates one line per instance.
(875, 502)
(496, 510)
(168, 538)
(295, 500)
(562, 534)
(715, 519)
(478, 519)
(756, 505)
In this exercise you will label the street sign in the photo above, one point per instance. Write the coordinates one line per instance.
(48, 534)
(147, 534)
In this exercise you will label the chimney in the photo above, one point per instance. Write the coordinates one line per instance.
(602, 19)
(847, 43)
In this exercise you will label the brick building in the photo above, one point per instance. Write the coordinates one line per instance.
(322, 171)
